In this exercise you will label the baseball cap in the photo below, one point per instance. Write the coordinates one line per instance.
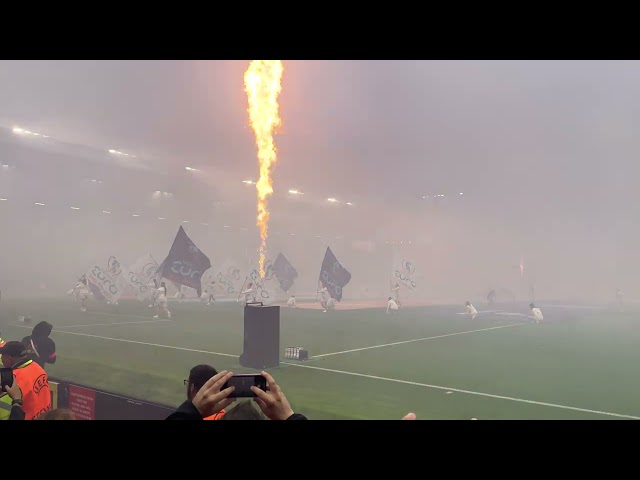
(199, 375)
(13, 349)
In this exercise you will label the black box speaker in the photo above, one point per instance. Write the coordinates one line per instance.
(261, 337)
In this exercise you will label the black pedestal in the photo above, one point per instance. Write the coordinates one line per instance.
(261, 337)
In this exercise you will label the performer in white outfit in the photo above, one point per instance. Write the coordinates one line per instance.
(179, 294)
(81, 292)
(211, 285)
(291, 303)
(161, 302)
(396, 291)
(471, 311)
(324, 298)
(249, 294)
(537, 313)
(620, 298)
(392, 305)
(154, 293)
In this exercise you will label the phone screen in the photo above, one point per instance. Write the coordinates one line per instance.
(6, 378)
(243, 383)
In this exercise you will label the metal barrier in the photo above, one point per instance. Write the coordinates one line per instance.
(88, 403)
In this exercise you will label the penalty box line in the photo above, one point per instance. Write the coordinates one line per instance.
(415, 340)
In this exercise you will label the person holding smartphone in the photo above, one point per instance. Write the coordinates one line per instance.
(213, 398)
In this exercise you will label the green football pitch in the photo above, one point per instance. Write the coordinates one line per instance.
(580, 364)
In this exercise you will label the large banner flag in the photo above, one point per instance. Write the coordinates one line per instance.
(185, 263)
(114, 267)
(333, 275)
(403, 273)
(140, 275)
(106, 283)
(228, 278)
(264, 288)
(284, 272)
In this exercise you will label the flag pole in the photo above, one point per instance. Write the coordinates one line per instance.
(241, 289)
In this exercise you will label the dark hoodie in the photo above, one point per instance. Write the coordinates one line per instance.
(40, 348)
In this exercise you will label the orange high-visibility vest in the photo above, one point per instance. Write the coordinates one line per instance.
(216, 416)
(34, 383)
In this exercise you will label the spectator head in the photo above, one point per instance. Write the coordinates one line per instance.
(42, 330)
(57, 414)
(198, 376)
(12, 352)
(244, 411)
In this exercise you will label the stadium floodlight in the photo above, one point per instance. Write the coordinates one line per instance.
(185, 221)
(20, 131)
(111, 150)
(191, 169)
(161, 218)
(226, 226)
(40, 204)
(350, 204)
(75, 208)
(332, 200)
(135, 215)
(249, 182)
(106, 211)
(295, 192)
(3, 199)
(461, 193)
(5, 166)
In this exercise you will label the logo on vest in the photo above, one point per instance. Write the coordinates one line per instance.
(41, 382)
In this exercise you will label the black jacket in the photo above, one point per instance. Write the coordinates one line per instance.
(188, 411)
(17, 413)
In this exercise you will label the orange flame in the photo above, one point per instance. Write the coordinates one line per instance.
(262, 84)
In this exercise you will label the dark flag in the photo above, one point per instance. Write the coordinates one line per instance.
(284, 272)
(333, 276)
(185, 263)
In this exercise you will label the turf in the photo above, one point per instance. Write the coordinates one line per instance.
(584, 358)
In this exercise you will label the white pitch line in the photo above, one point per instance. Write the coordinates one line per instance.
(136, 342)
(114, 323)
(111, 314)
(468, 392)
(587, 307)
(415, 340)
(483, 311)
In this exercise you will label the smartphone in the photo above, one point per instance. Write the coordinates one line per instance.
(6, 378)
(243, 383)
